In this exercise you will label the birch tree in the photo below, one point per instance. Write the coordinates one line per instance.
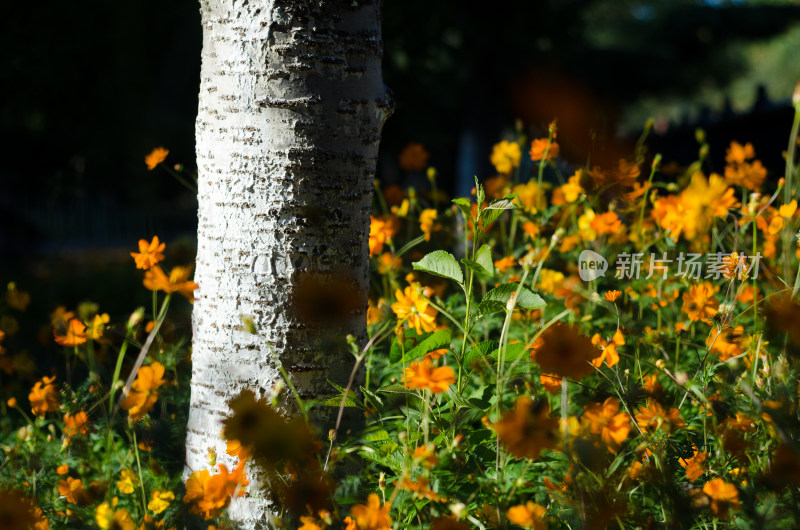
(291, 108)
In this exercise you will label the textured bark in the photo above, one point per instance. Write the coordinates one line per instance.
(290, 113)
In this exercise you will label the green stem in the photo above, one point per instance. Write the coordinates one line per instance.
(788, 191)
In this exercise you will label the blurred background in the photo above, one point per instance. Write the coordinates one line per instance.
(91, 87)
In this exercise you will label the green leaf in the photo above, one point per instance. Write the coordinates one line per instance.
(411, 341)
(465, 206)
(434, 341)
(513, 352)
(496, 299)
(440, 263)
(494, 209)
(479, 352)
(484, 258)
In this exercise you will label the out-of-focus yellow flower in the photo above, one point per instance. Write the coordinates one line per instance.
(127, 482)
(159, 500)
(149, 253)
(95, 331)
(528, 515)
(569, 192)
(17, 299)
(550, 280)
(704, 200)
(530, 197)
(505, 156)
(606, 420)
(787, 210)
(107, 517)
(388, 264)
(426, 222)
(155, 157)
(528, 429)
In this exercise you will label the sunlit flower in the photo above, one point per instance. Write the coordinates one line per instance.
(149, 253)
(381, 232)
(606, 420)
(704, 200)
(44, 396)
(569, 192)
(694, 465)
(726, 342)
(371, 516)
(420, 488)
(414, 308)
(95, 330)
(505, 156)
(159, 500)
(550, 280)
(669, 212)
(528, 515)
(551, 383)
(75, 334)
(72, 489)
(724, 496)
(539, 146)
(177, 282)
(562, 350)
(788, 210)
(612, 296)
(413, 157)
(155, 157)
(607, 223)
(738, 153)
(210, 494)
(609, 354)
(530, 196)
(528, 429)
(63, 469)
(143, 394)
(426, 222)
(422, 375)
(653, 416)
(699, 303)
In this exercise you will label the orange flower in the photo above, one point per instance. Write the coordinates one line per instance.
(503, 264)
(563, 351)
(726, 342)
(413, 307)
(44, 396)
(738, 153)
(693, 465)
(612, 296)
(607, 223)
(74, 335)
(63, 469)
(388, 263)
(528, 429)
(17, 299)
(178, 281)
(235, 448)
(76, 424)
(699, 303)
(426, 455)
(155, 157)
(609, 355)
(528, 515)
(539, 146)
(413, 157)
(422, 375)
(210, 494)
(371, 516)
(747, 174)
(653, 415)
(606, 420)
(724, 496)
(72, 489)
(381, 232)
(421, 488)
(149, 253)
(569, 192)
(143, 395)
(97, 327)
(551, 383)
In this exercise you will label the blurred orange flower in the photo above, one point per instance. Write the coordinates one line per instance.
(699, 303)
(75, 424)
(693, 465)
(562, 350)
(74, 335)
(209, 494)
(155, 157)
(539, 146)
(149, 253)
(528, 515)
(143, 395)
(528, 429)
(370, 516)
(606, 420)
(44, 396)
(413, 157)
(724, 496)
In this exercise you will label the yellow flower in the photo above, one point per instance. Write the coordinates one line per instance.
(149, 253)
(414, 308)
(107, 517)
(530, 197)
(423, 375)
(17, 299)
(505, 156)
(528, 515)
(143, 395)
(95, 331)
(703, 201)
(381, 232)
(178, 281)
(699, 303)
(155, 157)
(387, 263)
(159, 501)
(75, 334)
(787, 210)
(44, 396)
(371, 516)
(426, 220)
(127, 482)
(550, 280)
(569, 192)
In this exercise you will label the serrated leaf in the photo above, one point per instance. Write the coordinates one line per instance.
(440, 263)
(480, 351)
(496, 299)
(434, 341)
(484, 258)
(494, 209)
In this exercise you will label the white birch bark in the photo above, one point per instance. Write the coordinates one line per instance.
(290, 112)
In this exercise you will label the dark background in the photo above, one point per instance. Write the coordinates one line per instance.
(90, 87)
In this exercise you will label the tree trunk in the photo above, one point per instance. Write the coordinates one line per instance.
(291, 108)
